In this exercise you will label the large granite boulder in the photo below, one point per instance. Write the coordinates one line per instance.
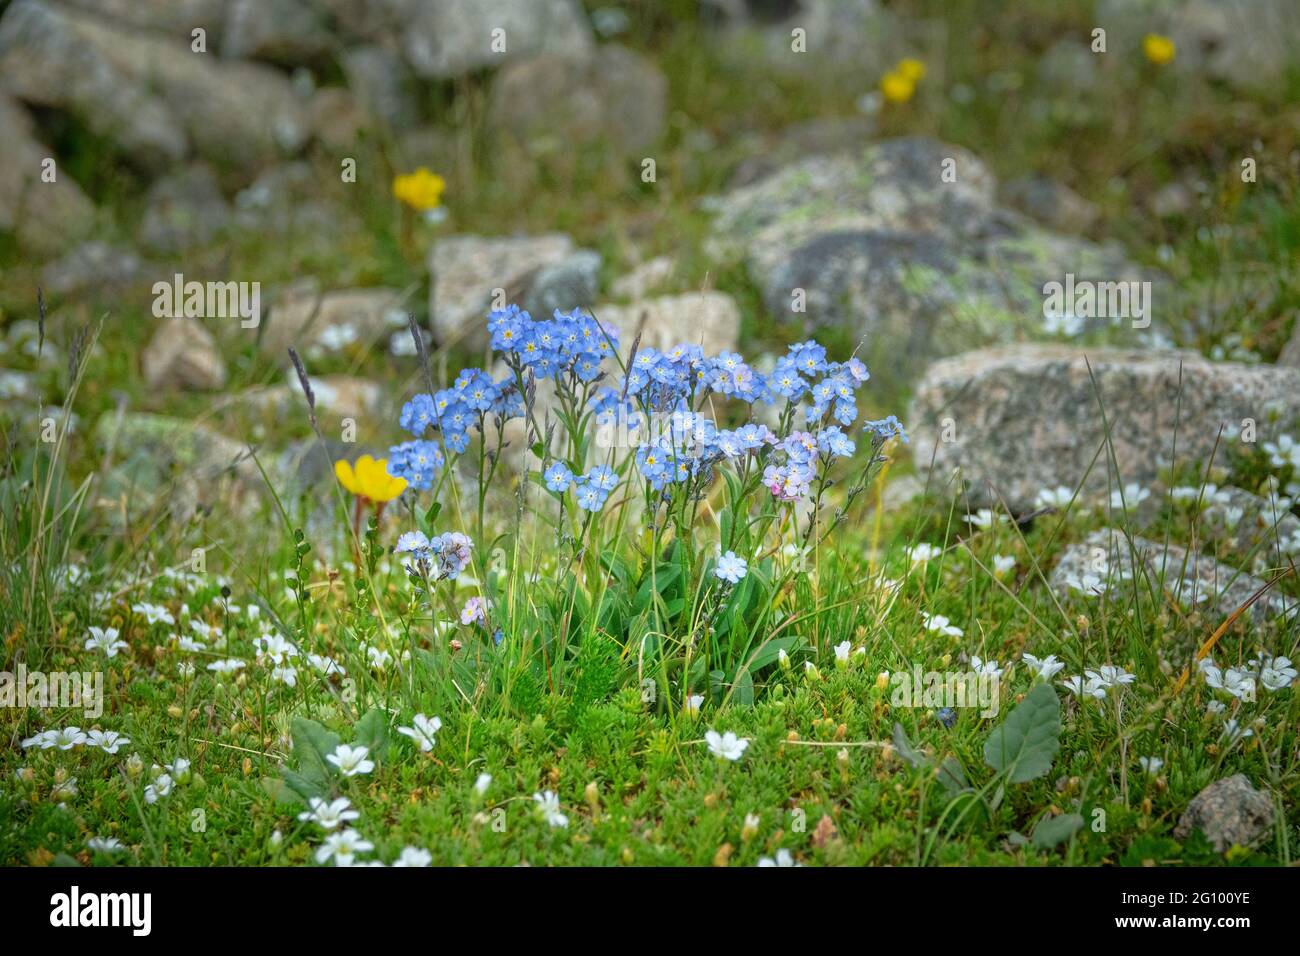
(903, 245)
(1020, 419)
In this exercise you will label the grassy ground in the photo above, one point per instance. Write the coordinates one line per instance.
(561, 704)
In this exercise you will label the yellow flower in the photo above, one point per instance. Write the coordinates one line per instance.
(421, 190)
(1158, 49)
(897, 87)
(369, 479)
(914, 70)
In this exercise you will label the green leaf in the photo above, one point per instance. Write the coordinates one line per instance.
(311, 744)
(1025, 744)
(302, 786)
(431, 515)
(663, 578)
(768, 652)
(952, 775)
(1054, 830)
(906, 750)
(371, 731)
(742, 690)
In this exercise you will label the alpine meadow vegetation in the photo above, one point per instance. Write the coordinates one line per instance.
(658, 449)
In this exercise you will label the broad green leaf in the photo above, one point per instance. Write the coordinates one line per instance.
(1025, 744)
(300, 785)
(742, 690)
(906, 750)
(371, 731)
(312, 743)
(1053, 830)
(952, 775)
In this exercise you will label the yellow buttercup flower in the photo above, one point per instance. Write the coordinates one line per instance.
(896, 87)
(1158, 49)
(421, 190)
(369, 479)
(914, 70)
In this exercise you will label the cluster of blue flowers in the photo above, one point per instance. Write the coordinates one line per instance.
(592, 490)
(571, 342)
(665, 381)
(453, 412)
(572, 347)
(417, 461)
(449, 553)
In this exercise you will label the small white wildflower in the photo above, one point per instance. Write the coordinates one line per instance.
(783, 858)
(548, 805)
(104, 639)
(1044, 668)
(351, 760)
(727, 746)
(423, 731)
(329, 815)
(1132, 495)
(414, 856)
(343, 848)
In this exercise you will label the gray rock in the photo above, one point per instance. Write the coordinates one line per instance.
(649, 276)
(174, 18)
(337, 397)
(44, 216)
(1025, 418)
(448, 38)
(1248, 44)
(708, 319)
(1230, 812)
(308, 464)
(571, 283)
(382, 84)
(182, 354)
(93, 268)
(156, 101)
(847, 38)
(291, 198)
(366, 21)
(184, 210)
(158, 461)
(893, 186)
(877, 243)
(550, 104)
(1069, 68)
(290, 32)
(465, 270)
(1051, 203)
(813, 137)
(338, 119)
(314, 321)
(1104, 561)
